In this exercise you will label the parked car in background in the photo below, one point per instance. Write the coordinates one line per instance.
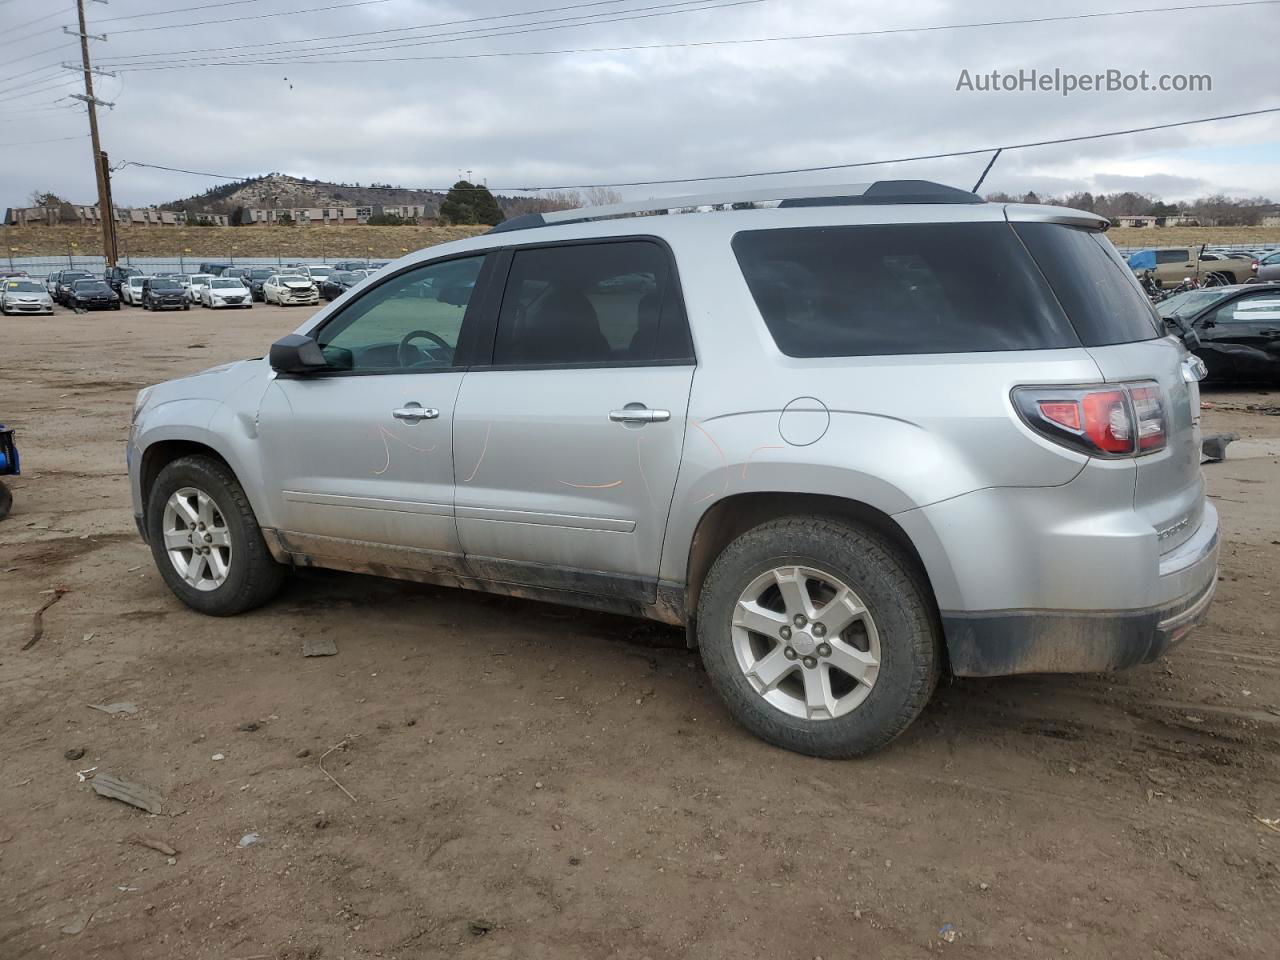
(22, 295)
(1176, 264)
(163, 293)
(340, 281)
(351, 265)
(117, 275)
(288, 290)
(67, 280)
(1238, 327)
(213, 269)
(225, 292)
(92, 294)
(915, 437)
(318, 272)
(238, 273)
(256, 277)
(1269, 266)
(131, 290)
(7, 273)
(195, 286)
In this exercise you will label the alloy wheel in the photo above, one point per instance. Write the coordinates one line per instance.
(197, 539)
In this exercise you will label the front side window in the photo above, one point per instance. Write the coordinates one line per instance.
(1255, 308)
(1173, 256)
(884, 289)
(410, 322)
(598, 303)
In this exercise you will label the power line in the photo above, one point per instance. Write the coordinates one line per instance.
(777, 173)
(424, 26)
(256, 16)
(284, 58)
(30, 143)
(9, 33)
(61, 46)
(165, 13)
(54, 83)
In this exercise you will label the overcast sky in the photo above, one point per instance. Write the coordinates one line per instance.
(691, 111)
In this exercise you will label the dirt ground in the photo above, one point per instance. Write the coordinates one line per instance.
(532, 781)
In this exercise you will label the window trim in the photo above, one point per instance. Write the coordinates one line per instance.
(467, 333)
(487, 343)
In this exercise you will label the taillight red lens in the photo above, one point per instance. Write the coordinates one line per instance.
(1106, 421)
(1110, 421)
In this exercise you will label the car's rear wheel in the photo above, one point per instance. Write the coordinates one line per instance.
(206, 541)
(820, 636)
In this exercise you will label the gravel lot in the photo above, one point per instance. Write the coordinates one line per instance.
(532, 781)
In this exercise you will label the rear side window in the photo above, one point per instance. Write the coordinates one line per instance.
(1097, 290)
(876, 290)
(591, 303)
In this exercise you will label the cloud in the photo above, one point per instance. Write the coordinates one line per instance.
(657, 114)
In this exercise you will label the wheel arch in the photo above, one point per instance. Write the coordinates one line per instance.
(160, 454)
(729, 518)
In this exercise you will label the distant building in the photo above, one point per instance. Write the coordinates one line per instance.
(334, 216)
(88, 215)
(1143, 220)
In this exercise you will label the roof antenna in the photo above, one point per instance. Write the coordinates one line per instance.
(991, 163)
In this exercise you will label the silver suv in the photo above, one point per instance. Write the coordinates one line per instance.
(848, 437)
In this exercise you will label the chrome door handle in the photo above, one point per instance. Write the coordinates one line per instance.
(639, 415)
(414, 412)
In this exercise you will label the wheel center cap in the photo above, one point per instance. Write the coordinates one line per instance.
(803, 642)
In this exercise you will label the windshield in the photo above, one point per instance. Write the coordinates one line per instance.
(260, 274)
(220, 284)
(1191, 302)
(164, 283)
(295, 278)
(72, 276)
(136, 281)
(23, 286)
(90, 286)
(201, 278)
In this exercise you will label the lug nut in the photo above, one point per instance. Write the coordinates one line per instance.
(785, 633)
(800, 620)
(208, 538)
(819, 630)
(824, 649)
(789, 653)
(810, 662)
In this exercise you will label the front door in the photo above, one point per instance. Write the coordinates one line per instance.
(1241, 339)
(567, 446)
(361, 457)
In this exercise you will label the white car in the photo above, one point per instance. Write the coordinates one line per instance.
(131, 291)
(225, 292)
(318, 272)
(289, 289)
(196, 285)
(20, 295)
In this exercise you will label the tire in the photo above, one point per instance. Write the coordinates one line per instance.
(900, 630)
(252, 577)
(6, 500)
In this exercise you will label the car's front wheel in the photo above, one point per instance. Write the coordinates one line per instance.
(820, 636)
(206, 541)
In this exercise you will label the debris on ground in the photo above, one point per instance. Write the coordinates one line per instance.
(341, 745)
(315, 646)
(75, 753)
(77, 925)
(948, 933)
(83, 775)
(114, 709)
(251, 727)
(134, 794)
(479, 927)
(249, 839)
(151, 843)
(1270, 823)
(1213, 448)
(218, 756)
(37, 619)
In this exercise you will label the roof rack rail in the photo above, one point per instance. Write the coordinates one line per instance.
(829, 195)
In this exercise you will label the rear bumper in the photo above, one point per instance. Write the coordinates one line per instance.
(1003, 642)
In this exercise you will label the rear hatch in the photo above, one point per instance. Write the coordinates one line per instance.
(1126, 338)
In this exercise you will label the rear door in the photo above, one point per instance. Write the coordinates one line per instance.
(1174, 266)
(1117, 325)
(567, 444)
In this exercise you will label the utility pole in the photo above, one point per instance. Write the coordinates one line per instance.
(101, 173)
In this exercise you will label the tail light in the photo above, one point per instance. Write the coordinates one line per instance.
(1120, 420)
(1254, 266)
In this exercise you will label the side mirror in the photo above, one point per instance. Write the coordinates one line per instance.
(297, 354)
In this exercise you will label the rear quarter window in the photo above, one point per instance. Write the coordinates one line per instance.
(878, 290)
(1096, 289)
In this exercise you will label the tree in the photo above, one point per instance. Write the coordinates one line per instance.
(468, 203)
(237, 217)
(602, 196)
(45, 198)
(285, 218)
